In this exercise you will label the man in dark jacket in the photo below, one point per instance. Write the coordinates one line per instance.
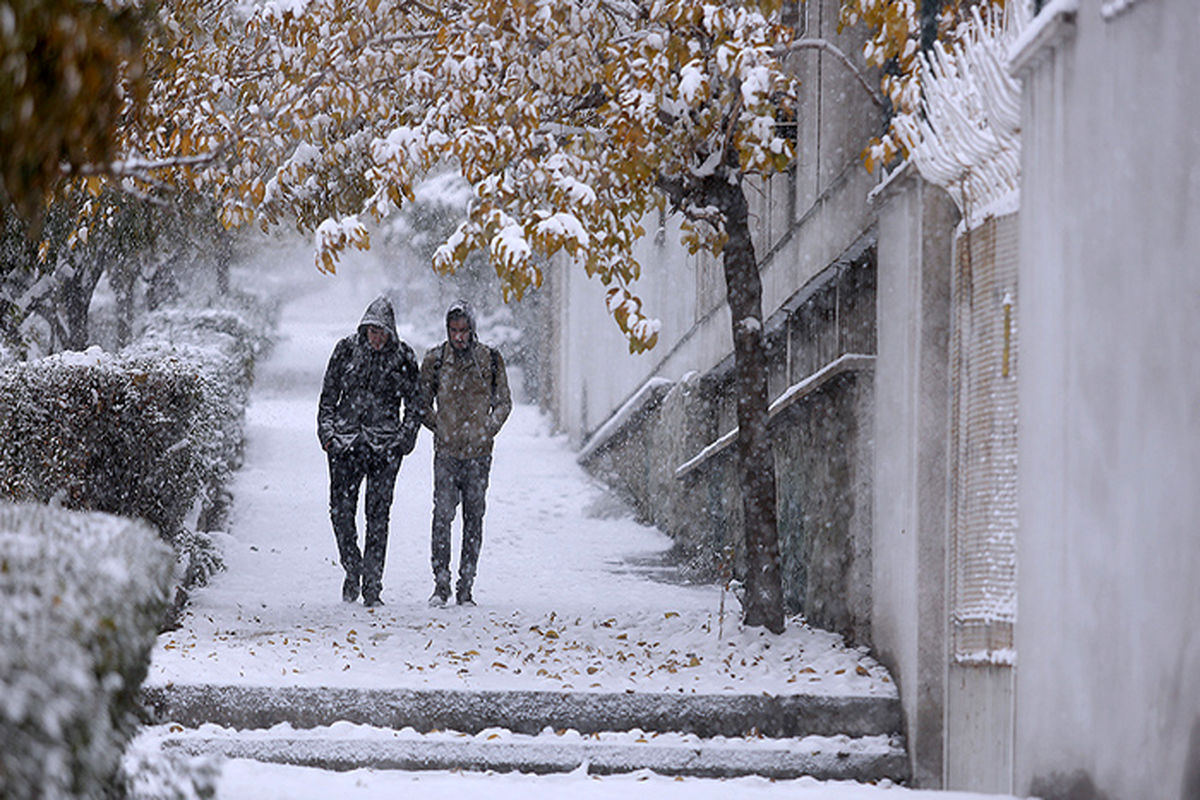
(371, 374)
(464, 401)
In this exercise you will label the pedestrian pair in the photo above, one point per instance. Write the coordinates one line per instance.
(374, 400)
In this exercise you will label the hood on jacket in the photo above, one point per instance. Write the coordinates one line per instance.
(461, 308)
(380, 314)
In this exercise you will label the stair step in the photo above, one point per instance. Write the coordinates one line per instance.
(825, 758)
(527, 712)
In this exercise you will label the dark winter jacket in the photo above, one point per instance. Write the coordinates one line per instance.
(364, 389)
(464, 394)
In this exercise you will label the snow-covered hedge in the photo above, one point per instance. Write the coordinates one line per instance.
(81, 599)
(221, 348)
(154, 432)
(94, 432)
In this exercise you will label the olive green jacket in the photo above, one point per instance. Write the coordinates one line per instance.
(464, 398)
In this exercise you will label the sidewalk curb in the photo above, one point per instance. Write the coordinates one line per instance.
(425, 710)
(704, 761)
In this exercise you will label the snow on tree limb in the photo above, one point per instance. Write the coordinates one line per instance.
(829, 47)
(571, 121)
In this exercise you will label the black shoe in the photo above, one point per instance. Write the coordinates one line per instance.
(350, 589)
(466, 601)
(372, 602)
(438, 599)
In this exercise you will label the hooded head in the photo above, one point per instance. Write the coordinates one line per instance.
(380, 315)
(460, 325)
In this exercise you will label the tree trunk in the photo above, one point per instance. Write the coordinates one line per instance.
(74, 298)
(122, 277)
(224, 259)
(756, 462)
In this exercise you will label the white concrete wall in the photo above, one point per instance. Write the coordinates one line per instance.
(1108, 634)
(916, 222)
(598, 373)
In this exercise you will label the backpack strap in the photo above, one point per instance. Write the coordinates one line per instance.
(437, 371)
(495, 370)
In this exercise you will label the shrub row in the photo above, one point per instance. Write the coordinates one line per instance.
(154, 432)
(81, 598)
(220, 348)
(102, 435)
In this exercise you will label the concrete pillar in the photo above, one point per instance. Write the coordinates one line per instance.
(916, 225)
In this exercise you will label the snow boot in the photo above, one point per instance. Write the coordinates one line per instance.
(350, 588)
(441, 591)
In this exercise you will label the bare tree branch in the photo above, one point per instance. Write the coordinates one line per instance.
(836, 52)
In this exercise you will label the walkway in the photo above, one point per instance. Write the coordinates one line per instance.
(563, 612)
(561, 605)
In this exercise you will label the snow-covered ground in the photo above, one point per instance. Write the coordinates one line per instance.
(567, 593)
(565, 598)
(246, 780)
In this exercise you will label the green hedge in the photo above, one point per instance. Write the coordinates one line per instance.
(221, 348)
(155, 432)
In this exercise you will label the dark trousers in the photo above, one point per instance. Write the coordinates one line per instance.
(456, 479)
(346, 473)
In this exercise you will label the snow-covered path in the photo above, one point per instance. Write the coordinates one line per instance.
(562, 604)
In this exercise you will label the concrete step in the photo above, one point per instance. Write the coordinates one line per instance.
(529, 712)
(869, 758)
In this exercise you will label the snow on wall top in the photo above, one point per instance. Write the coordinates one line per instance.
(965, 134)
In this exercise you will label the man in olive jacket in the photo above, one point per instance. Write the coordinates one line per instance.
(371, 374)
(464, 401)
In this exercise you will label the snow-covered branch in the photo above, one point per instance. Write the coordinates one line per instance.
(140, 167)
(836, 52)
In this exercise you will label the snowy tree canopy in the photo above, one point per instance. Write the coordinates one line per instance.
(571, 121)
